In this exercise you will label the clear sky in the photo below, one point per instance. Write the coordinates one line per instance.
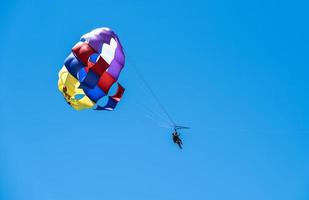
(236, 71)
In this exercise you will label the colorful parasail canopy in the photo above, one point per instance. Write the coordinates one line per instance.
(91, 69)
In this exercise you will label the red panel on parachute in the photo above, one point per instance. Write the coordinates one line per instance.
(83, 51)
(119, 93)
(106, 81)
(99, 67)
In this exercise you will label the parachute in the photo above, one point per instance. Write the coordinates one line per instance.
(91, 69)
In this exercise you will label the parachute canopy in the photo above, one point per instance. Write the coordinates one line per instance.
(91, 69)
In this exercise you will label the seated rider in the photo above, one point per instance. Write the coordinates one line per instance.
(176, 139)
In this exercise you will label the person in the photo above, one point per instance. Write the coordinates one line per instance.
(176, 138)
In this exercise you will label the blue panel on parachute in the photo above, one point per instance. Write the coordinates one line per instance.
(90, 81)
(95, 94)
(111, 104)
(73, 65)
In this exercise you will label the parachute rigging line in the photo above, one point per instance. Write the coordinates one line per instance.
(155, 97)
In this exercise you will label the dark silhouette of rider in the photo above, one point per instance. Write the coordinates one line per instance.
(176, 139)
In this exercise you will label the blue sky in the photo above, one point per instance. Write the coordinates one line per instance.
(234, 71)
